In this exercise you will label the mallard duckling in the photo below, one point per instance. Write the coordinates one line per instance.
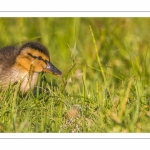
(24, 64)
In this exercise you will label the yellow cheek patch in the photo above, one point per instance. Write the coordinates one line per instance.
(23, 62)
(38, 65)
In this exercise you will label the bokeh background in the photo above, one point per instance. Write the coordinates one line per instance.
(116, 100)
(120, 41)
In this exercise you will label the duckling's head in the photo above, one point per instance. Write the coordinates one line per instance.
(34, 57)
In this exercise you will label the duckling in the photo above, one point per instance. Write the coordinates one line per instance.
(23, 64)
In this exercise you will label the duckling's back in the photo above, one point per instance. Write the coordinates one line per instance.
(7, 60)
(7, 57)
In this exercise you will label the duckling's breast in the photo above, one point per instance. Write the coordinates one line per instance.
(15, 75)
(27, 81)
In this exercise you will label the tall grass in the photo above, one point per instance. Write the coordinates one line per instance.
(105, 82)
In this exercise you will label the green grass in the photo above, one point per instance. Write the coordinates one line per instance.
(106, 76)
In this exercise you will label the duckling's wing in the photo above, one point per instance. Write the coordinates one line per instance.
(8, 56)
(7, 60)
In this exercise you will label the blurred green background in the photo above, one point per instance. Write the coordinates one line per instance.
(123, 43)
(120, 103)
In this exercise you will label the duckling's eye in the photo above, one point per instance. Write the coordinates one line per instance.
(35, 57)
(45, 61)
(39, 57)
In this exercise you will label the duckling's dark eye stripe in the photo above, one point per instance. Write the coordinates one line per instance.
(37, 57)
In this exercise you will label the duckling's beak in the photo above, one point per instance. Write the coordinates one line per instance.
(52, 69)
